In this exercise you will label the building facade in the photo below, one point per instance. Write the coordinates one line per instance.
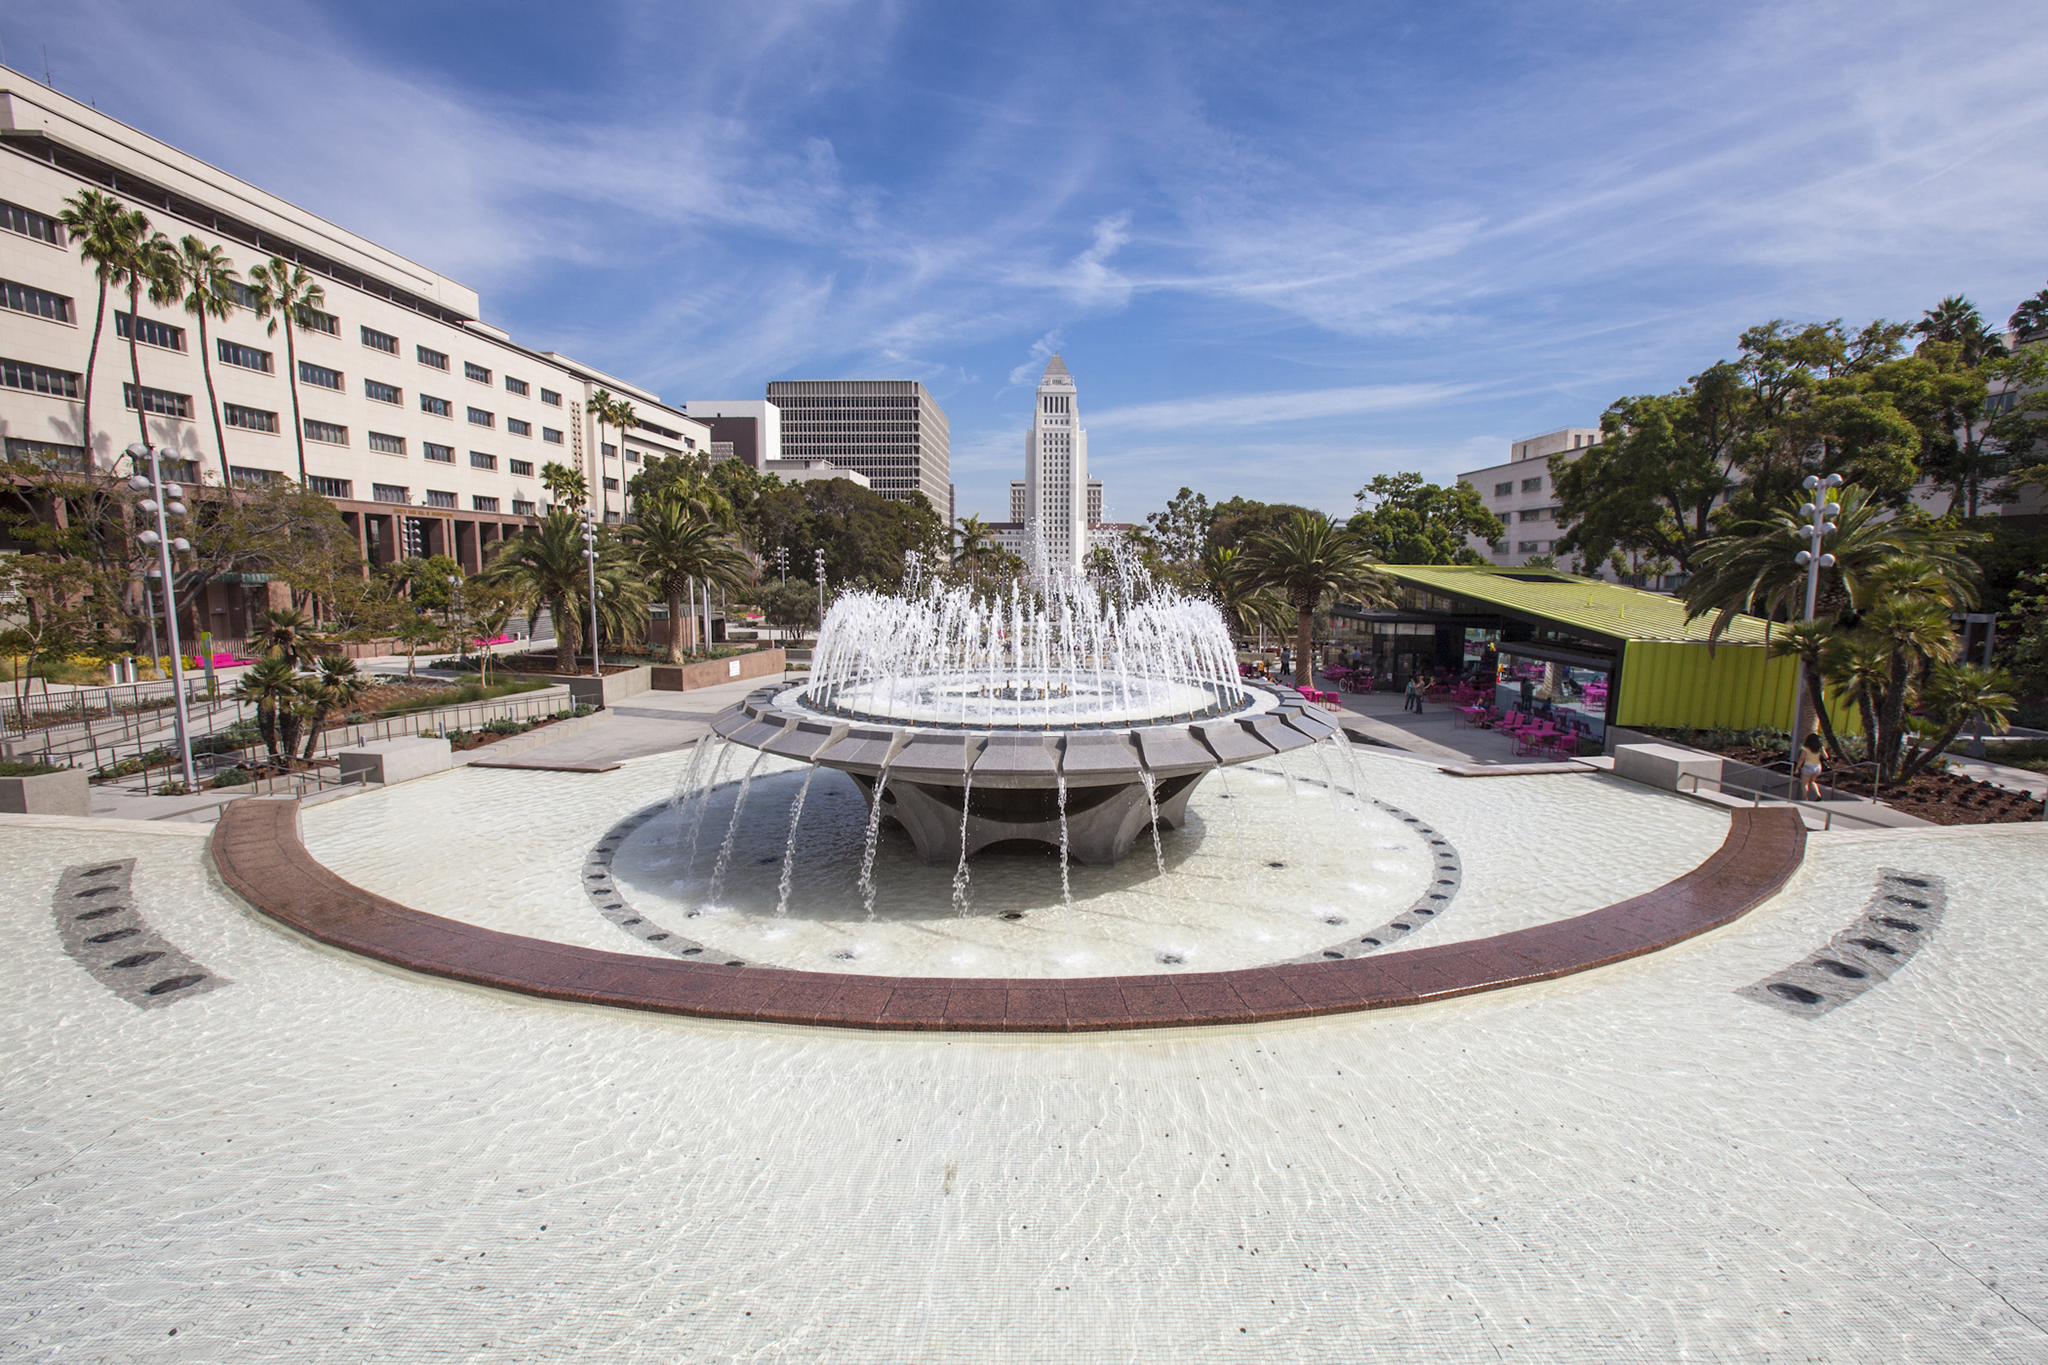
(1523, 494)
(747, 429)
(426, 427)
(891, 430)
(1056, 472)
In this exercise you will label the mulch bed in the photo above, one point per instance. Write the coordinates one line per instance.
(1938, 798)
(545, 663)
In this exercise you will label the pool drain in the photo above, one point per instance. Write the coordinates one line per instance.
(113, 942)
(1864, 955)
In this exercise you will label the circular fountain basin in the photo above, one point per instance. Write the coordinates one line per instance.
(961, 786)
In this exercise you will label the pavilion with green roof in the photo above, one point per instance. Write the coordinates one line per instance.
(1658, 668)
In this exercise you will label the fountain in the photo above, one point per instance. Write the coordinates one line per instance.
(1071, 713)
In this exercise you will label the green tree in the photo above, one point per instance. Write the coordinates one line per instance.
(206, 278)
(1404, 520)
(287, 634)
(100, 226)
(149, 262)
(2030, 319)
(49, 612)
(673, 544)
(1182, 531)
(568, 487)
(544, 565)
(790, 606)
(1234, 588)
(337, 686)
(1954, 696)
(285, 292)
(272, 684)
(1955, 321)
(1308, 557)
(1751, 567)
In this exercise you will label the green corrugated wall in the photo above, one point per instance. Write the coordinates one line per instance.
(1676, 684)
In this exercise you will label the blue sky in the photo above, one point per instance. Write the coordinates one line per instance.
(1282, 247)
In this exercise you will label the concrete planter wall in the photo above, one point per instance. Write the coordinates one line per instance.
(60, 793)
(764, 663)
(612, 687)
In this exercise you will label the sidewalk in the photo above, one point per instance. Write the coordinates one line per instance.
(649, 723)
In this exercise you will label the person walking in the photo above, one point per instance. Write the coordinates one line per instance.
(1810, 768)
(1413, 700)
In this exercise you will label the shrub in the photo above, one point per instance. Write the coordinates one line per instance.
(20, 767)
(233, 777)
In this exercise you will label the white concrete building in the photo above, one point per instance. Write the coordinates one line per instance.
(1523, 494)
(891, 430)
(427, 427)
(750, 429)
(804, 471)
(1056, 471)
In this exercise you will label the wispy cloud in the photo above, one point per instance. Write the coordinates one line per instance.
(1270, 409)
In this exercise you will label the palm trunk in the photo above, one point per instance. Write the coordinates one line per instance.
(135, 355)
(1922, 757)
(313, 731)
(92, 363)
(1818, 698)
(1304, 635)
(1891, 719)
(291, 360)
(566, 639)
(266, 724)
(675, 622)
(220, 435)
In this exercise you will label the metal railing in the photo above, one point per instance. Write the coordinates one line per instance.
(310, 783)
(25, 711)
(1758, 797)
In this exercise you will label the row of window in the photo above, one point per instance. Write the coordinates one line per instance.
(1503, 489)
(22, 298)
(397, 493)
(29, 223)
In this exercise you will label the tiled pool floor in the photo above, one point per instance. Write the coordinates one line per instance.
(325, 1160)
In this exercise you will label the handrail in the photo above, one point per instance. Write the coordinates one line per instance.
(1758, 797)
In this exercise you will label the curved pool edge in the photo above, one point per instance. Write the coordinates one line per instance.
(258, 849)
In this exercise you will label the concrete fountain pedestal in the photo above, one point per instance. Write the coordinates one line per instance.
(1008, 785)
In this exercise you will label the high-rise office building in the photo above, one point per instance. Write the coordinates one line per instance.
(1056, 471)
(891, 430)
(749, 429)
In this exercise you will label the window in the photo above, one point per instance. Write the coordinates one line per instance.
(382, 341)
(1531, 514)
(151, 333)
(1527, 547)
(521, 508)
(610, 451)
(389, 492)
(47, 454)
(382, 393)
(440, 407)
(434, 358)
(479, 503)
(479, 418)
(245, 297)
(29, 223)
(1501, 490)
(309, 373)
(479, 460)
(315, 320)
(25, 299)
(252, 478)
(551, 436)
(517, 386)
(436, 498)
(244, 357)
(249, 419)
(476, 372)
(385, 444)
(329, 488)
(551, 398)
(523, 468)
(158, 401)
(440, 454)
(611, 483)
(326, 432)
(1534, 485)
(518, 428)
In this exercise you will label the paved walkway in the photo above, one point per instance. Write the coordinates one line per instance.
(650, 723)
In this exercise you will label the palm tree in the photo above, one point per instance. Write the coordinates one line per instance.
(566, 486)
(207, 278)
(601, 412)
(1245, 605)
(1752, 566)
(287, 633)
(149, 260)
(272, 684)
(674, 545)
(1957, 695)
(623, 417)
(1955, 320)
(970, 539)
(285, 290)
(1305, 557)
(338, 686)
(544, 564)
(2031, 316)
(1814, 644)
(97, 225)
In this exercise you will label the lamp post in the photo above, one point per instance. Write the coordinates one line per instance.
(818, 560)
(1820, 523)
(590, 555)
(164, 503)
(782, 562)
(455, 613)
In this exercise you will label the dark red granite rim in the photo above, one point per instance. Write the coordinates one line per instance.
(260, 854)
